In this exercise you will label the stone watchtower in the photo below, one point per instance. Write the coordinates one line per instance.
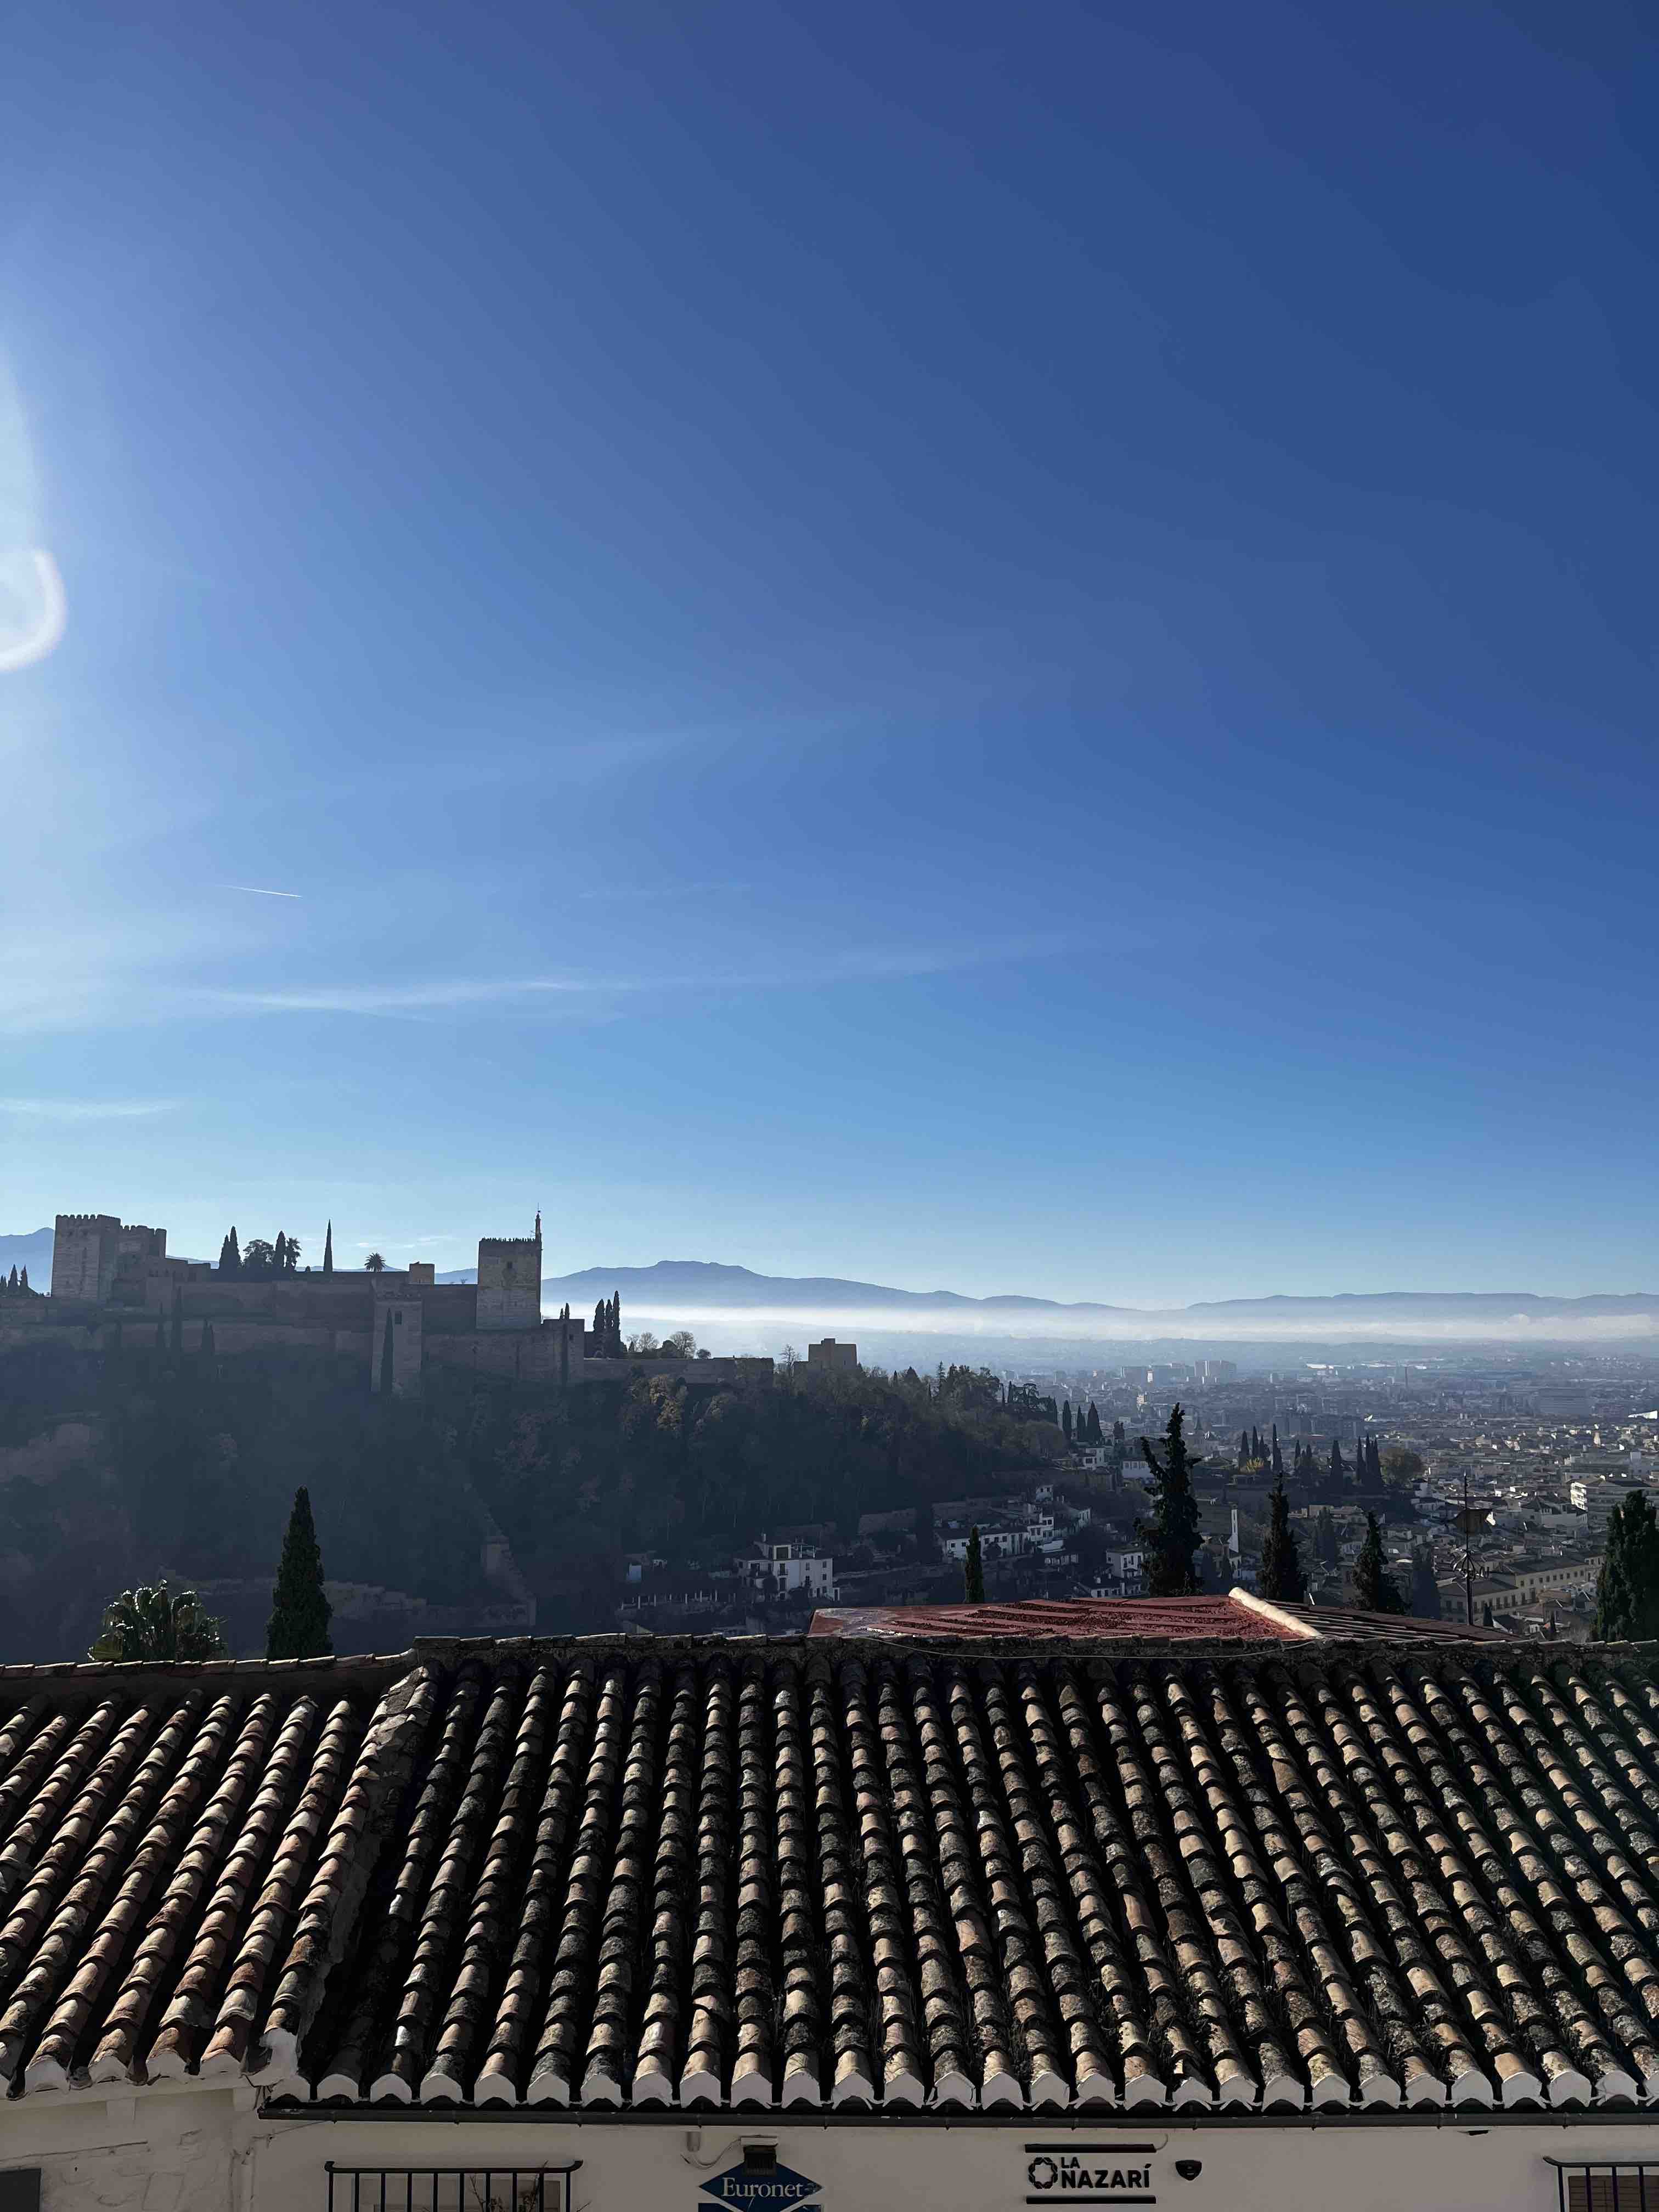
(510, 1281)
(90, 1252)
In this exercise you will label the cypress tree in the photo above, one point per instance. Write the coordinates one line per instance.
(1096, 1434)
(279, 1255)
(328, 1249)
(11, 1280)
(1375, 1590)
(1627, 1588)
(1486, 1620)
(1282, 1577)
(1425, 1593)
(24, 1281)
(299, 1610)
(231, 1259)
(1338, 1472)
(1279, 1457)
(973, 1571)
(1171, 1535)
(385, 1358)
(1065, 1420)
(1243, 1446)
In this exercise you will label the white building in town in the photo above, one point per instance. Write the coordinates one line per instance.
(789, 1569)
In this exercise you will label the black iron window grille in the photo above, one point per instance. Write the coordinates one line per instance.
(453, 2188)
(1605, 2185)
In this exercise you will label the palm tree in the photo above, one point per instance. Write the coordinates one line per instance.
(151, 1623)
(375, 1264)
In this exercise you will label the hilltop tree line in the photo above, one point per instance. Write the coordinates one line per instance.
(17, 1284)
(258, 1257)
(660, 1459)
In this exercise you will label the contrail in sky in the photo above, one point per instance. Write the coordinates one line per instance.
(259, 891)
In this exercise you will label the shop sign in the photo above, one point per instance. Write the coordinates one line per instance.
(760, 2188)
(1089, 2173)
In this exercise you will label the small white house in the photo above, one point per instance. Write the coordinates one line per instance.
(785, 1569)
(994, 1543)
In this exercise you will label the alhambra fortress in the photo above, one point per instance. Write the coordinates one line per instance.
(109, 1276)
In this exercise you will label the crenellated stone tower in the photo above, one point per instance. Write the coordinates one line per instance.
(510, 1281)
(91, 1251)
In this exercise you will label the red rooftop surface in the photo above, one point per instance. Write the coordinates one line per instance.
(1235, 1619)
(1238, 1618)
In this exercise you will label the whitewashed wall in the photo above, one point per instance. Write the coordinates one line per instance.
(193, 2149)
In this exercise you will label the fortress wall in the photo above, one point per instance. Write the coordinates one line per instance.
(447, 1307)
(319, 1301)
(522, 1355)
(688, 1371)
(88, 1332)
(526, 1355)
(102, 1331)
(232, 1336)
(397, 1329)
(290, 1297)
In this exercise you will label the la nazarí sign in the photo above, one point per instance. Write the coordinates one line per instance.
(778, 2186)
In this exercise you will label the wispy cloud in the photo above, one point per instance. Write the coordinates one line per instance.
(259, 891)
(439, 994)
(88, 1110)
(431, 996)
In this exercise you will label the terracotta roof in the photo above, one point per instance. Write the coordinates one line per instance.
(1234, 1619)
(614, 1871)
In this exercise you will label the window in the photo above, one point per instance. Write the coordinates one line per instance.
(452, 2188)
(1603, 2186)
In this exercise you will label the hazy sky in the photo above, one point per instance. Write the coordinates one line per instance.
(1007, 648)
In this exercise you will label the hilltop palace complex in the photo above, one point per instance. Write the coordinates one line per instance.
(107, 1275)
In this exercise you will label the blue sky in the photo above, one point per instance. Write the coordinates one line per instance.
(1002, 649)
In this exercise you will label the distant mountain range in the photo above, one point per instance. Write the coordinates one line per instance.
(687, 1290)
(33, 1252)
(686, 1285)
